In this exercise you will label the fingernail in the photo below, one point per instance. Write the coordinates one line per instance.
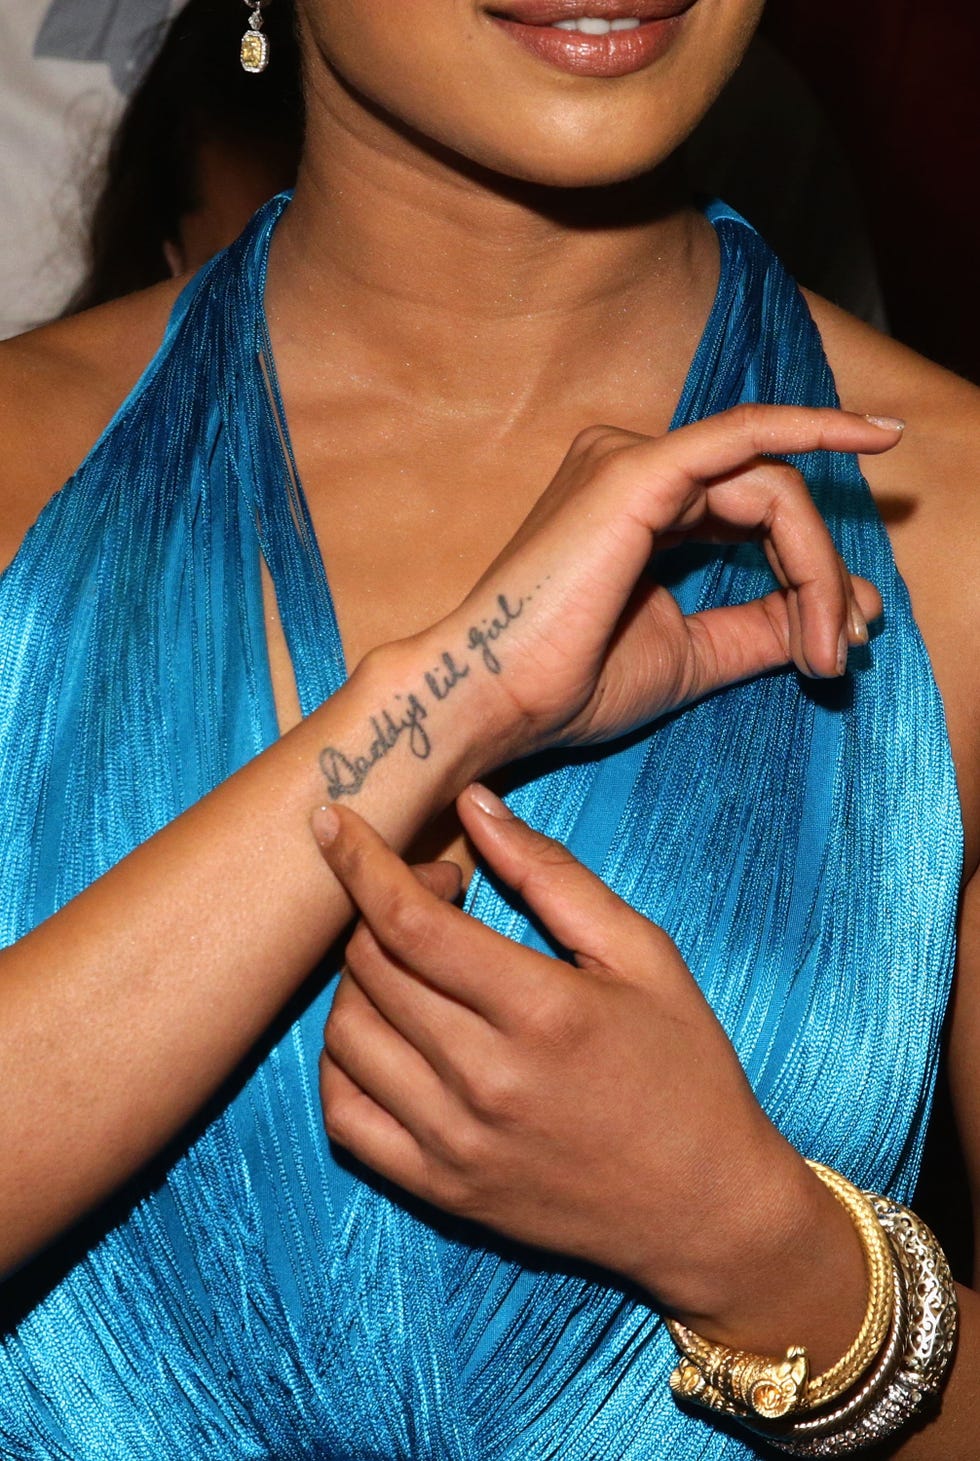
(842, 648)
(859, 625)
(887, 423)
(489, 803)
(325, 824)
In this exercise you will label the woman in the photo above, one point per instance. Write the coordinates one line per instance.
(484, 256)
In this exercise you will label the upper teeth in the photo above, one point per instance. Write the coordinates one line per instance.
(592, 25)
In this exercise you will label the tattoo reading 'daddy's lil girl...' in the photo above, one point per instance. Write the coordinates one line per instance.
(405, 719)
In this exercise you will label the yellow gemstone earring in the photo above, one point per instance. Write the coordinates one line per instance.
(255, 43)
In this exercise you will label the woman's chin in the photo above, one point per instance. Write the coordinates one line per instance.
(552, 162)
(543, 150)
(563, 174)
(452, 84)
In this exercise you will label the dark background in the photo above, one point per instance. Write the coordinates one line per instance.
(900, 84)
(899, 81)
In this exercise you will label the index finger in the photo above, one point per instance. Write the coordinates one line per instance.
(456, 954)
(725, 442)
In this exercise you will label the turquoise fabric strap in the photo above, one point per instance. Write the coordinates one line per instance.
(255, 1296)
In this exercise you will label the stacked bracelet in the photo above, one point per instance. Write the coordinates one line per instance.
(805, 1428)
(888, 1376)
(903, 1387)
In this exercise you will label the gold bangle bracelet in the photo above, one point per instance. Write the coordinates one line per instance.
(880, 1265)
(736, 1382)
(746, 1384)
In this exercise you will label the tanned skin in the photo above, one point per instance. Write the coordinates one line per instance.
(430, 406)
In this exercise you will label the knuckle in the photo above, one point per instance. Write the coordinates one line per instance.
(591, 438)
(555, 1018)
(783, 479)
(339, 1033)
(337, 1123)
(358, 947)
(616, 472)
(466, 1151)
(751, 419)
(654, 951)
(409, 920)
(546, 859)
(349, 855)
(605, 450)
(551, 853)
(775, 612)
(326, 1072)
(494, 1092)
(700, 666)
(455, 1192)
(337, 1119)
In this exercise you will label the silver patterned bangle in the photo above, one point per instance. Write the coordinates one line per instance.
(899, 1390)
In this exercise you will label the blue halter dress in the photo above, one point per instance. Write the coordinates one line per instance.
(253, 1296)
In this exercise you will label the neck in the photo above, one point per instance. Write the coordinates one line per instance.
(397, 262)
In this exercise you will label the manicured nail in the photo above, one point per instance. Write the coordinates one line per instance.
(842, 647)
(859, 625)
(489, 803)
(887, 423)
(325, 824)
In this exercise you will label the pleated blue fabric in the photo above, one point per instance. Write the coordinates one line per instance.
(255, 1296)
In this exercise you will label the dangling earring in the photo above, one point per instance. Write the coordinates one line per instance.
(255, 43)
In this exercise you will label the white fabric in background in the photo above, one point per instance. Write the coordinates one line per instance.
(64, 65)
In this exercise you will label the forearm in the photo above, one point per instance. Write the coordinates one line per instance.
(123, 1013)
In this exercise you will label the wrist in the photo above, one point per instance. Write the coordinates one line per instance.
(778, 1264)
(461, 663)
(891, 1374)
(420, 691)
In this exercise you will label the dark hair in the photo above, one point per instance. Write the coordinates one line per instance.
(193, 91)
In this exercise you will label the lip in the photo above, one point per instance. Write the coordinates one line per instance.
(546, 12)
(618, 53)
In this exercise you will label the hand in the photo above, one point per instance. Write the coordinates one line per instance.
(594, 1108)
(583, 644)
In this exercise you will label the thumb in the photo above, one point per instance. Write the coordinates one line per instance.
(575, 906)
(734, 643)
